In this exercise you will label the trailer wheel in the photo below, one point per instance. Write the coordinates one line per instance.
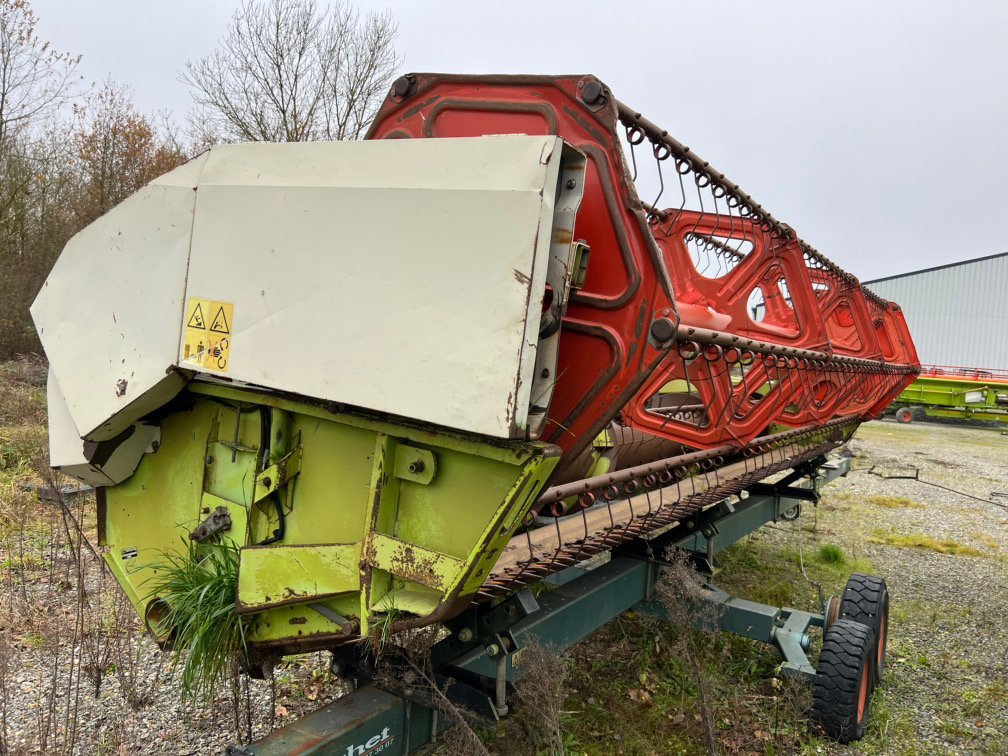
(904, 415)
(841, 691)
(866, 600)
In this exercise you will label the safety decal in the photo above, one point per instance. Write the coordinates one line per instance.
(207, 341)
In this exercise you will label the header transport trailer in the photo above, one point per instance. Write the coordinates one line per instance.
(405, 378)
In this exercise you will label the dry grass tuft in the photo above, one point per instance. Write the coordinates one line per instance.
(894, 502)
(917, 541)
(403, 663)
(22, 400)
(23, 435)
(540, 696)
(680, 592)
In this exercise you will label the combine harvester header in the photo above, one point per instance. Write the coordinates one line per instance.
(412, 374)
(955, 393)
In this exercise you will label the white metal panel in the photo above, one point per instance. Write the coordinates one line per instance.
(404, 276)
(68, 452)
(108, 314)
(396, 275)
(958, 313)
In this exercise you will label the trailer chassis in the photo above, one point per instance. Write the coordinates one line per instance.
(481, 658)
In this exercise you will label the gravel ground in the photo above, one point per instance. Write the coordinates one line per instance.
(946, 689)
(106, 724)
(40, 695)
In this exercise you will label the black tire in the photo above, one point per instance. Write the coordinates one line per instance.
(904, 415)
(866, 600)
(841, 691)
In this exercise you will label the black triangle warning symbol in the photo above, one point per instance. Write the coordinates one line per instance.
(196, 319)
(220, 324)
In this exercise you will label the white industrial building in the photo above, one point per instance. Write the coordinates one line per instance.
(957, 313)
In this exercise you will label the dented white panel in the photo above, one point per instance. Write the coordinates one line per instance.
(108, 314)
(86, 461)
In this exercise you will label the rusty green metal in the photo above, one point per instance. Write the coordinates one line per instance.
(346, 522)
(279, 575)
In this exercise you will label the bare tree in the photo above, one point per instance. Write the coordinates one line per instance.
(292, 71)
(35, 80)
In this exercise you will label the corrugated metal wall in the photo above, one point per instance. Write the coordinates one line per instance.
(958, 314)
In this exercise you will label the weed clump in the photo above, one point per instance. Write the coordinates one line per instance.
(402, 662)
(830, 553)
(680, 591)
(22, 401)
(199, 587)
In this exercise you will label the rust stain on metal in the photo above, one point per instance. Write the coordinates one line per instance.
(420, 106)
(407, 564)
(417, 569)
(581, 120)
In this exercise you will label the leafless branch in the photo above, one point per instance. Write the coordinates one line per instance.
(35, 80)
(292, 71)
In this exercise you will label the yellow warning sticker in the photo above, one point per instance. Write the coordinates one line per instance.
(208, 325)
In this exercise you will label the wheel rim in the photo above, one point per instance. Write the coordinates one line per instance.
(832, 612)
(880, 653)
(863, 693)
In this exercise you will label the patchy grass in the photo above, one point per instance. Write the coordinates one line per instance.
(663, 717)
(986, 540)
(830, 553)
(632, 692)
(772, 574)
(891, 725)
(23, 435)
(629, 692)
(926, 613)
(631, 689)
(918, 541)
(894, 502)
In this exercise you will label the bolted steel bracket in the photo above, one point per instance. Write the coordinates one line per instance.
(216, 522)
(593, 93)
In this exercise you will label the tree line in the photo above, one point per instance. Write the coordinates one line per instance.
(284, 70)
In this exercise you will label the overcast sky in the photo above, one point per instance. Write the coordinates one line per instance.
(878, 130)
